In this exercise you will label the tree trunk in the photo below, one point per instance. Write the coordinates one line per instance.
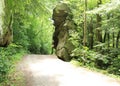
(113, 35)
(85, 25)
(91, 34)
(117, 40)
(104, 40)
(98, 30)
(108, 37)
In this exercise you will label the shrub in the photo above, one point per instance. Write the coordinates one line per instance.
(7, 58)
(115, 66)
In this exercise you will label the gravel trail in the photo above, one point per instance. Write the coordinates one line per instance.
(48, 70)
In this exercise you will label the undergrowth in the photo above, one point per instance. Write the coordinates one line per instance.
(94, 69)
(8, 58)
(107, 60)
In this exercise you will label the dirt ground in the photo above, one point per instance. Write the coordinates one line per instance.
(48, 70)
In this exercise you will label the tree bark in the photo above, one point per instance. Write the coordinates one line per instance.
(108, 37)
(91, 34)
(113, 35)
(104, 40)
(85, 25)
(117, 40)
(98, 30)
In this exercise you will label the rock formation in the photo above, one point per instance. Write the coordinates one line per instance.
(64, 26)
(5, 25)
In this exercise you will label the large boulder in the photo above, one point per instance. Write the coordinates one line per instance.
(64, 26)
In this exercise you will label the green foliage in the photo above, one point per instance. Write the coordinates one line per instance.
(84, 56)
(108, 59)
(103, 54)
(115, 66)
(19, 31)
(105, 59)
(32, 26)
(7, 58)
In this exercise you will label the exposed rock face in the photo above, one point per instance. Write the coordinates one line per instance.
(64, 26)
(5, 25)
(1, 19)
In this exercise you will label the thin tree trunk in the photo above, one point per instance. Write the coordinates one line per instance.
(113, 39)
(85, 25)
(90, 32)
(108, 37)
(99, 19)
(117, 40)
(91, 39)
(104, 40)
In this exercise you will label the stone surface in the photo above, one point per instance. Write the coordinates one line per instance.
(64, 25)
(6, 34)
(1, 19)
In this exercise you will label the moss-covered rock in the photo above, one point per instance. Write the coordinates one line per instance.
(64, 25)
(5, 23)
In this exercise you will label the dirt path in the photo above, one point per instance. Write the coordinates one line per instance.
(47, 70)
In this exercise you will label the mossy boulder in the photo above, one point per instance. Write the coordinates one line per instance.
(64, 25)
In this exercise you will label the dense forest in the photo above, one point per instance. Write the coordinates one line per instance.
(26, 27)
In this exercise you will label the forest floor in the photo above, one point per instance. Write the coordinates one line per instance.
(48, 70)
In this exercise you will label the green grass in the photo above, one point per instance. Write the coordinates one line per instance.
(75, 62)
